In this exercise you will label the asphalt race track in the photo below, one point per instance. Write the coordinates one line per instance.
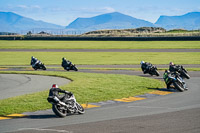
(178, 112)
(19, 84)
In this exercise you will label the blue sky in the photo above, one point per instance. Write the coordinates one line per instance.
(63, 12)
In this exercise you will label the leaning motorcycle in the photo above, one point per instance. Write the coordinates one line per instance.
(70, 67)
(39, 65)
(62, 109)
(152, 70)
(175, 80)
(183, 72)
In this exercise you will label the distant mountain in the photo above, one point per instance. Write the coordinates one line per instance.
(113, 20)
(11, 22)
(188, 21)
(14, 23)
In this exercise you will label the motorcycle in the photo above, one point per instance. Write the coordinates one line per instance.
(175, 81)
(38, 65)
(183, 72)
(62, 109)
(152, 70)
(69, 66)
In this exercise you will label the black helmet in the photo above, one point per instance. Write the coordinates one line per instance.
(167, 71)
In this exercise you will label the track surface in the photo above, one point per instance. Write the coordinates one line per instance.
(99, 50)
(177, 112)
(19, 84)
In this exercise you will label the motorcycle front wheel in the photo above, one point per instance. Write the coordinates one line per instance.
(178, 87)
(184, 74)
(59, 110)
(157, 73)
(44, 68)
(80, 108)
(75, 69)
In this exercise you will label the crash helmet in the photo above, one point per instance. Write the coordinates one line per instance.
(54, 86)
(171, 63)
(167, 71)
(142, 62)
(63, 58)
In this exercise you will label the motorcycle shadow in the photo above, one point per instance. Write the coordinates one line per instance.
(164, 89)
(49, 116)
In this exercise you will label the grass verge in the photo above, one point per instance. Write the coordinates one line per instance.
(99, 44)
(87, 87)
(102, 58)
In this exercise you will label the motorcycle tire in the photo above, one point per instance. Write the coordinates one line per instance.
(157, 73)
(75, 69)
(186, 75)
(44, 68)
(80, 108)
(58, 112)
(178, 87)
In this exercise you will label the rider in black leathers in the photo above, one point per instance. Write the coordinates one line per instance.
(34, 61)
(145, 66)
(54, 92)
(66, 63)
(173, 67)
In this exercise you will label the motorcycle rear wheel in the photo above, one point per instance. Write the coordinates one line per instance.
(59, 112)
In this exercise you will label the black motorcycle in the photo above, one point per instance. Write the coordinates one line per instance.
(151, 69)
(174, 80)
(67, 65)
(38, 65)
(62, 109)
(183, 72)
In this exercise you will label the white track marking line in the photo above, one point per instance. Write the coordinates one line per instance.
(51, 130)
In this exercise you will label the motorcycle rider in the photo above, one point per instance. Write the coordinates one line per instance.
(173, 67)
(55, 90)
(34, 61)
(166, 76)
(145, 66)
(66, 63)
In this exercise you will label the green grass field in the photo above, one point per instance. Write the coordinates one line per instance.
(55, 58)
(87, 87)
(99, 44)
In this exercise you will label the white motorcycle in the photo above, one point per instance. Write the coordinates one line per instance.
(61, 109)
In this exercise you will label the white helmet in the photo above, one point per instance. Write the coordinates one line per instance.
(142, 62)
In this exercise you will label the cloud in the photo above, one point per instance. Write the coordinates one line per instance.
(25, 7)
(108, 9)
